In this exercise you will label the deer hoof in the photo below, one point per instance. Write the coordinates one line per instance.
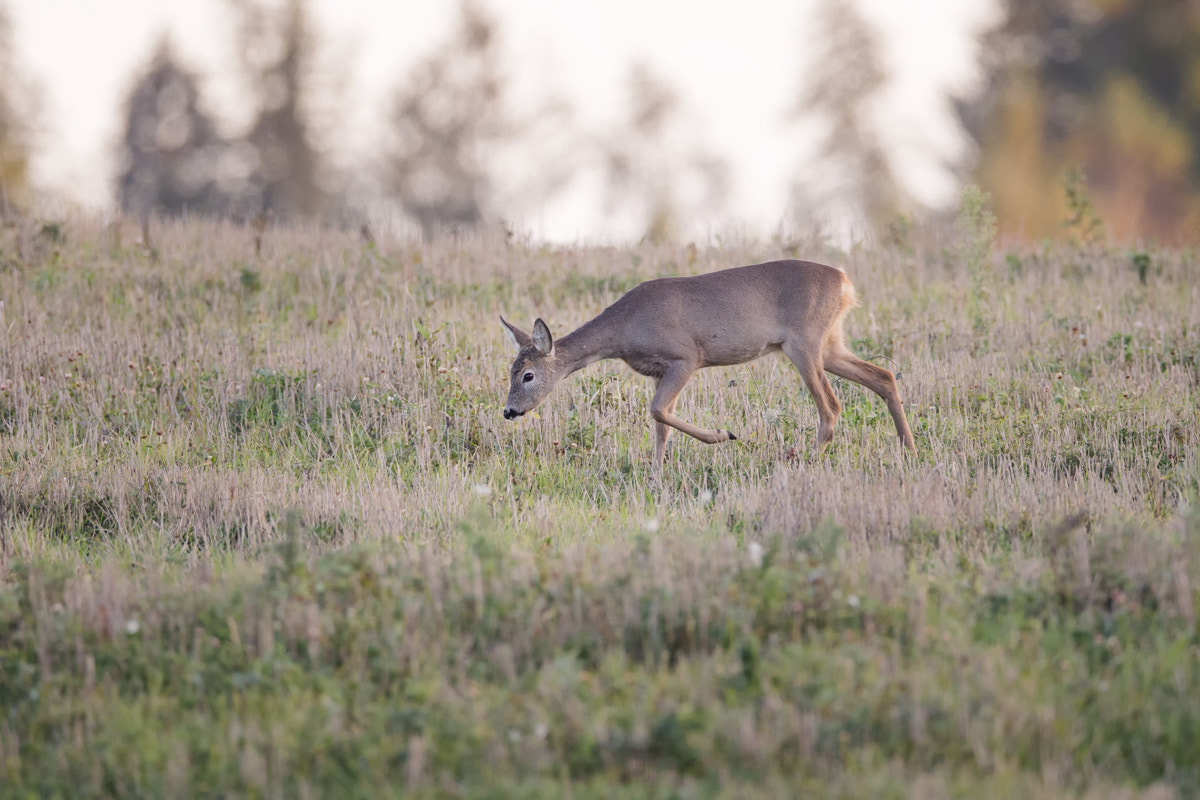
(732, 438)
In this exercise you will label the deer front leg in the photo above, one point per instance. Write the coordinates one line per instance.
(662, 434)
(662, 408)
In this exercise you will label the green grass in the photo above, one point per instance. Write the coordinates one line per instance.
(263, 531)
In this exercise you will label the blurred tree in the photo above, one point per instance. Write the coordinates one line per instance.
(1109, 87)
(456, 150)
(14, 126)
(278, 48)
(851, 176)
(444, 119)
(651, 172)
(170, 150)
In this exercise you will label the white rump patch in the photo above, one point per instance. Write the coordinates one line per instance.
(849, 296)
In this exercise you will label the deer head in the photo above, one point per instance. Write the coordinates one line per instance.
(535, 371)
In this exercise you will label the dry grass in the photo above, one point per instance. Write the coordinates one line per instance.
(269, 461)
(349, 381)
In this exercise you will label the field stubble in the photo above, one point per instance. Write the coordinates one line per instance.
(267, 502)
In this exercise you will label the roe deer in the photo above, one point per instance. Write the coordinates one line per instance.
(668, 328)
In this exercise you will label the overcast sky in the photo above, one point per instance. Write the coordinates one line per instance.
(736, 70)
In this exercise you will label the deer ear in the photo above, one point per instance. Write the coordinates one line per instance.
(542, 339)
(517, 337)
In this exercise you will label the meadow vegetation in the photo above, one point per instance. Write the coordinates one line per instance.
(264, 533)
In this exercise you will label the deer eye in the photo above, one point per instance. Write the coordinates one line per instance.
(528, 377)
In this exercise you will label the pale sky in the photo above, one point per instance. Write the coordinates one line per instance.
(737, 68)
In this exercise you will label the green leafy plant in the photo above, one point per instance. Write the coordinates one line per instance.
(1083, 224)
(1141, 265)
(976, 227)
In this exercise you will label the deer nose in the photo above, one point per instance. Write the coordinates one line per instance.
(510, 414)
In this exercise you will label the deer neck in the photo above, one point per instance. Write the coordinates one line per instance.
(587, 344)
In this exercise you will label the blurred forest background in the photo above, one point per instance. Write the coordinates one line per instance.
(1086, 106)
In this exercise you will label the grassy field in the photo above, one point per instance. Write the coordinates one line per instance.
(264, 533)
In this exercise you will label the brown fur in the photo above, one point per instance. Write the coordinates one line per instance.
(668, 328)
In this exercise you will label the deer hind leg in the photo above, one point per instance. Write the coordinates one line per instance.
(882, 382)
(662, 408)
(813, 373)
